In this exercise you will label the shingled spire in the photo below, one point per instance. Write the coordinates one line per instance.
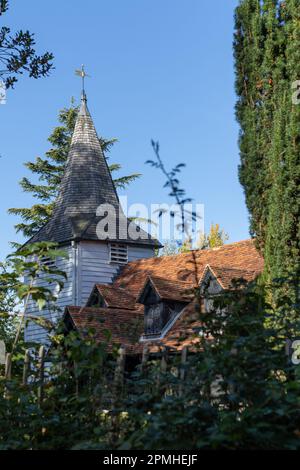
(86, 184)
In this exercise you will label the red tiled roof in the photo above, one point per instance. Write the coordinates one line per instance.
(226, 276)
(167, 273)
(125, 326)
(116, 297)
(183, 333)
(169, 290)
(189, 267)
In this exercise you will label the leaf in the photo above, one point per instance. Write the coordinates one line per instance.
(41, 303)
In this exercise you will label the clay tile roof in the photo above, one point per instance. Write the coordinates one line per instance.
(116, 297)
(125, 326)
(170, 290)
(167, 273)
(226, 276)
(189, 267)
(183, 333)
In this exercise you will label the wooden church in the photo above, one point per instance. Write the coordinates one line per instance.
(87, 185)
(112, 272)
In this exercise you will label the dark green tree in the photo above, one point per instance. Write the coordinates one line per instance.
(283, 243)
(267, 53)
(18, 54)
(49, 171)
(251, 89)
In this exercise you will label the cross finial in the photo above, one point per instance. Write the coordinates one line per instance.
(81, 73)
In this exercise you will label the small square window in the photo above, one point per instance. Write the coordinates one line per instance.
(118, 253)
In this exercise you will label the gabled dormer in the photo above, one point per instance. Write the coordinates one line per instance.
(109, 296)
(163, 301)
(216, 279)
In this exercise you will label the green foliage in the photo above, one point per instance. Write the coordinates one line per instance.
(176, 191)
(27, 265)
(267, 53)
(240, 391)
(49, 171)
(18, 285)
(8, 329)
(18, 54)
(258, 390)
(7, 306)
(3, 6)
(215, 238)
(76, 397)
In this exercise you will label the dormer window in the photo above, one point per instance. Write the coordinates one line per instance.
(118, 253)
(163, 301)
(96, 300)
(110, 296)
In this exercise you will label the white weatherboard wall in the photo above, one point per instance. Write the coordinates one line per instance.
(87, 264)
(95, 267)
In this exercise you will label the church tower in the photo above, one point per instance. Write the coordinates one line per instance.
(89, 224)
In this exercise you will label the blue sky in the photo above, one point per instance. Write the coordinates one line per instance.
(160, 69)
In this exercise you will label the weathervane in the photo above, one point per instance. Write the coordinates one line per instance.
(81, 73)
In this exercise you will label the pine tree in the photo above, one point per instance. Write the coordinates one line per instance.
(49, 172)
(248, 59)
(18, 54)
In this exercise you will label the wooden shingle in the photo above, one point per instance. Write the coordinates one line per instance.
(86, 184)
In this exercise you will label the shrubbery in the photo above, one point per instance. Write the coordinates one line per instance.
(239, 392)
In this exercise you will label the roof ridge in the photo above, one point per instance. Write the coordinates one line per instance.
(229, 268)
(188, 253)
(166, 279)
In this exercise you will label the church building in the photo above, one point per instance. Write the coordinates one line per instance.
(112, 272)
(87, 196)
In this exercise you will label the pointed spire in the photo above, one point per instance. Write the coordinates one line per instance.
(86, 184)
(83, 110)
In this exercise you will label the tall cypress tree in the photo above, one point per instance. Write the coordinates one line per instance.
(49, 172)
(288, 251)
(248, 46)
(270, 127)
